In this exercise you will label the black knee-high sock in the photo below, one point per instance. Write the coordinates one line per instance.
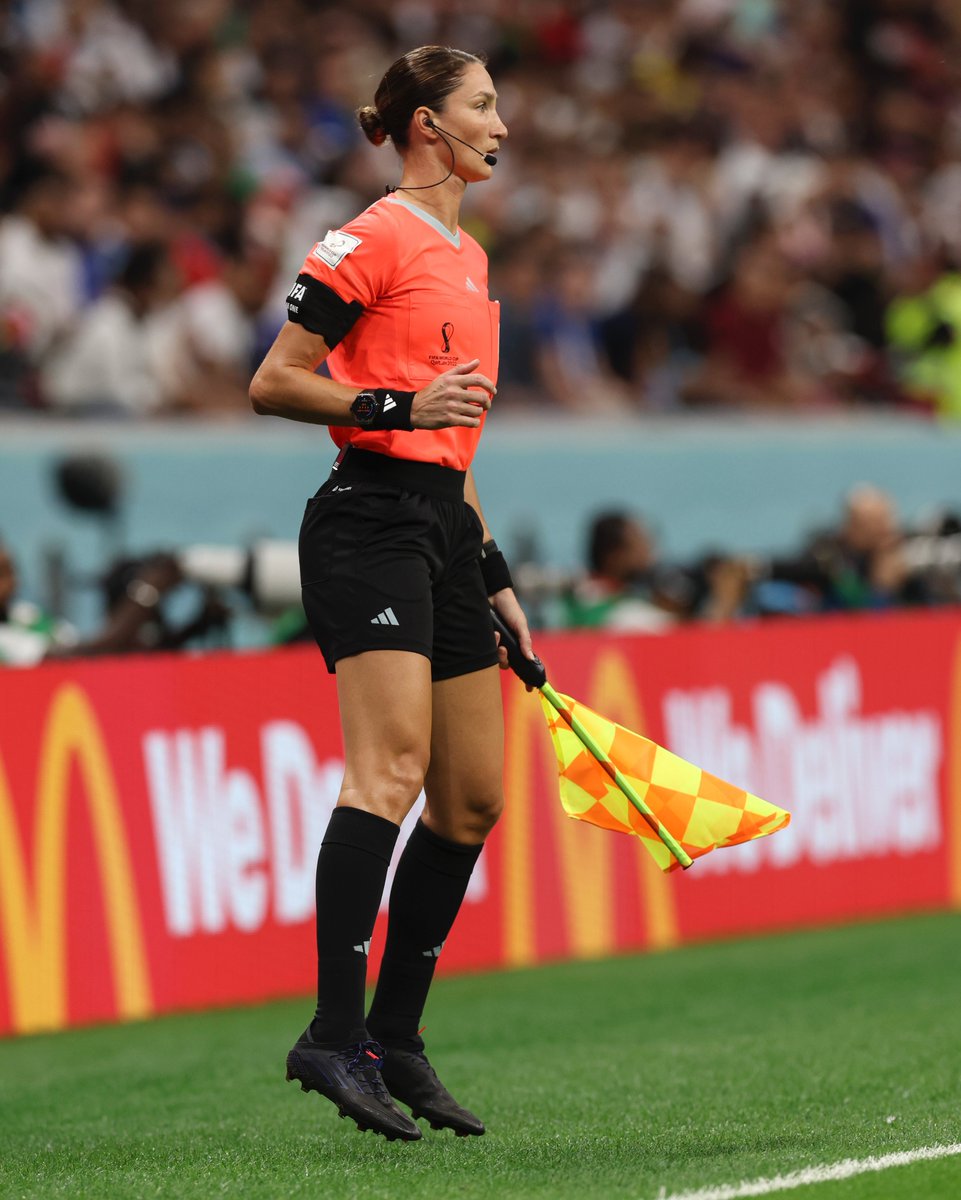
(430, 883)
(351, 870)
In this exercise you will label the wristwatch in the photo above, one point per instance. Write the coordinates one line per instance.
(366, 408)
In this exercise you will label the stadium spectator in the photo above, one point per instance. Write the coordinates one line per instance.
(621, 587)
(40, 274)
(923, 326)
(109, 364)
(201, 344)
(748, 357)
(516, 281)
(627, 587)
(27, 633)
(571, 369)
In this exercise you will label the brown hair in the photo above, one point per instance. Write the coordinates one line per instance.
(425, 76)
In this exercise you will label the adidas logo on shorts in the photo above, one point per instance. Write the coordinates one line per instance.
(385, 618)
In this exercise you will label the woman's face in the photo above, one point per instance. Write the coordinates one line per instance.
(470, 113)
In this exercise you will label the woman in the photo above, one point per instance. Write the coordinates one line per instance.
(398, 570)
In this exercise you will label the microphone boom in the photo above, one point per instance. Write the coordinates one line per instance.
(488, 158)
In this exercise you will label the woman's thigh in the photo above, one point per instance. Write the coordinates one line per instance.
(385, 714)
(465, 779)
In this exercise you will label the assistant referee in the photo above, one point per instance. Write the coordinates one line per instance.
(399, 570)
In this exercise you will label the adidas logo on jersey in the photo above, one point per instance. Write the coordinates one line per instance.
(471, 285)
(385, 618)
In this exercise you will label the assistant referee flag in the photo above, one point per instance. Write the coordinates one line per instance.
(619, 780)
(700, 811)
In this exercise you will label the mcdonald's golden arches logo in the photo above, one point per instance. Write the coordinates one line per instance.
(33, 914)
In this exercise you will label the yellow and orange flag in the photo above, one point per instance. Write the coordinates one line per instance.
(605, 768)
(619, 780)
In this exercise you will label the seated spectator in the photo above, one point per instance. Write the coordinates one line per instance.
(746, 327)
(41, 288)
(516, 282)
(924, 330)
(106, 365)
(571, 368)
(27, 633)
(203, 343)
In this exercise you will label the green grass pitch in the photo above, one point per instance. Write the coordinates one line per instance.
(633, 1077)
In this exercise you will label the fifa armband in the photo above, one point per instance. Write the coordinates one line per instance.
(494, 568)
(320, 310)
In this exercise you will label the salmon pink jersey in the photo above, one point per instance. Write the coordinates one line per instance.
(425, 307)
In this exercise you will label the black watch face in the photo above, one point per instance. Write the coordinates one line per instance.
(364, 407)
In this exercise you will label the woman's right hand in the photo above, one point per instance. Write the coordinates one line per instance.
(448, 400)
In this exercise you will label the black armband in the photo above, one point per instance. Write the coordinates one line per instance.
(494, 568)
(383, 408)
(320, 310)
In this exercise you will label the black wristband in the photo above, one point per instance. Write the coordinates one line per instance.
(494, 568)
(383, 408)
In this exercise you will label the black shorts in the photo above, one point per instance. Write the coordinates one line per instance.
(389, 560)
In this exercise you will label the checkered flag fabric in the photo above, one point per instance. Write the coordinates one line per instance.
(701, 811)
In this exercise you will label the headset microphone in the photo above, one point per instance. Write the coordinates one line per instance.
(488, 158)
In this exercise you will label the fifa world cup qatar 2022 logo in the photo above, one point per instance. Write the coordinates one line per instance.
(447, 357)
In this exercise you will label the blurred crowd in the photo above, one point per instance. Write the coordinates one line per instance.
(702, 204)
(868, 560)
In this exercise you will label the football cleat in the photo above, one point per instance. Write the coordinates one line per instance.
(412, 1080)
(350, 1076)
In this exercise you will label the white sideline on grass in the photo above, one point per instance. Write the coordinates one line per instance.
(826, 1173)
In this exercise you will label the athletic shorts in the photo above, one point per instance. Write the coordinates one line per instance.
(389, 560)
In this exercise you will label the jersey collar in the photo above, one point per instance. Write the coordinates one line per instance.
(453, 238)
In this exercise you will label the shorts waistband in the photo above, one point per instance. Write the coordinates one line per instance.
(432, 479)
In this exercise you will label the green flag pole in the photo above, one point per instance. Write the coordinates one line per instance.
(533, 673)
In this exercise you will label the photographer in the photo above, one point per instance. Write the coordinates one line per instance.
(137, 618)
(860, 564)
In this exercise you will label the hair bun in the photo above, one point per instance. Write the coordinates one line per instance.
(372, 124)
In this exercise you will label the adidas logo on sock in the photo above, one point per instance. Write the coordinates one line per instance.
(389, 402)
(385, 618)
(363, 948)
(435, 953)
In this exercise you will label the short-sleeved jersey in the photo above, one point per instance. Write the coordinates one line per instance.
(425, 309)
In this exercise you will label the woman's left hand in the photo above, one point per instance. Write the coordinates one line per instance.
(511, 613)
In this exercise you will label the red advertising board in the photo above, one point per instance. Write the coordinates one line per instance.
(160, 817)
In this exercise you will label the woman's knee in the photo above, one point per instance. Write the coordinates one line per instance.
(387, 784)
(470, 820)
(483, 815)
